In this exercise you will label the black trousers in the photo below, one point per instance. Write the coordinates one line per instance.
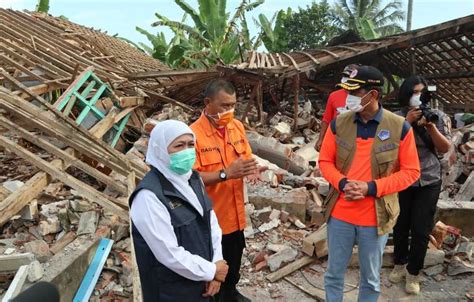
(233, 245)
(417, 211)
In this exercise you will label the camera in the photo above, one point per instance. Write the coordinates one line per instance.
(428, 113)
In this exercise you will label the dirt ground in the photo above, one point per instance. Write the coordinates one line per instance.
(449, 289)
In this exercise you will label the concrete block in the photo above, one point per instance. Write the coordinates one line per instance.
(15, 261)
(458, 214)
(13, 185)
(39, 248)
(49, 226)
(30, 211)
(52, 209)
(88, 223)
(80, 205)
(35, 271)
(276, 260)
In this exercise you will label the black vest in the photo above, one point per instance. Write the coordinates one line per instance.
(192, 230)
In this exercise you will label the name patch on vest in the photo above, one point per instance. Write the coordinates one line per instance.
(386, 147)
(383, 135)
(209, 149)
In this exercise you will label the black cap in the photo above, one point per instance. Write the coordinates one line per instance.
(362, 77)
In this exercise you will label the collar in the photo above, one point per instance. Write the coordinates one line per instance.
(377, 118)
(209, 129)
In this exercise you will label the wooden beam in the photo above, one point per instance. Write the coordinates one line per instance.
(452, 75)
(84, 189)
(290, 268)
(167, 73)
(131, 101)
(104, 125)
(169, 100)
(296, 92)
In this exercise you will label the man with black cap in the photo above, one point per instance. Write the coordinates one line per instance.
(335, 105)
(368, 156)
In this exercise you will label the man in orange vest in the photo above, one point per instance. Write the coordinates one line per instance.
(224, 158)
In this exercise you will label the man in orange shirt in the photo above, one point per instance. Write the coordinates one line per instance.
(335, 105)
(224, 158)
(368, 156)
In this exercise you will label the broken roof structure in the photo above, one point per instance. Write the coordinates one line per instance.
(442, 53)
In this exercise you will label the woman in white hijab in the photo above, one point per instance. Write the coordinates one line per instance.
(176, 235)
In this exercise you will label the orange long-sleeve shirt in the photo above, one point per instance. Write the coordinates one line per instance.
(362, 212)
(216, 150)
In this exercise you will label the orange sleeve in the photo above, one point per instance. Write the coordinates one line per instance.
(409, 169)
(327, 160)
(329, 111)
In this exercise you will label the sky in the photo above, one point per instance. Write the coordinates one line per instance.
(121, 16)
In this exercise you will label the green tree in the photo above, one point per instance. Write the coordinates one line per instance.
(369, 18)
(42, 6)
(214, 38)
(310, 27)
(275, 39)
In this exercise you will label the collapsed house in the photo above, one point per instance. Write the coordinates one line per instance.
(76, 110)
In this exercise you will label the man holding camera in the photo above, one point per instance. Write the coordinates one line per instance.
(418, 203)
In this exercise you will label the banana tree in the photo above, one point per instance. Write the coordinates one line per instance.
(275, 39)
(216, 35)
(42, 6)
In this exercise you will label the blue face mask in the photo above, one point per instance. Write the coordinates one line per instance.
(182, 162)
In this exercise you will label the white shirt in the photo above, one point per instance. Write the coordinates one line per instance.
(153, 221)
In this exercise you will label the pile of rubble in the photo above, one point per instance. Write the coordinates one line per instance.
(64, 188)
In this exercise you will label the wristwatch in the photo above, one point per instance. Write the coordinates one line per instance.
(222, 174)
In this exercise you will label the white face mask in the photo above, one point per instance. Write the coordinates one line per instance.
(353, 103)
(415, 100)
(344, 79)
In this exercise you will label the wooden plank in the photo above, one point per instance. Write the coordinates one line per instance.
(310, 241)
(317, 294)
(3, 193)
(83, 189)
(295, 65)
(131, 101)
(104, 125)
(169, 100)
(252, 60)
(63, 155)
(60, 244)
(11, 205)
(290, 268)
(315, 61)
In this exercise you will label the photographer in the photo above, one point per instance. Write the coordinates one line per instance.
(418, 202)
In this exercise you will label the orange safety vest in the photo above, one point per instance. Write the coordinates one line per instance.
(214, 153)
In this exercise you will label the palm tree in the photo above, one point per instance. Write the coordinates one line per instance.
(216, 37)
(368, 18)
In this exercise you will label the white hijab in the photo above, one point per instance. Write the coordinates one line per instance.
(162, 135)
